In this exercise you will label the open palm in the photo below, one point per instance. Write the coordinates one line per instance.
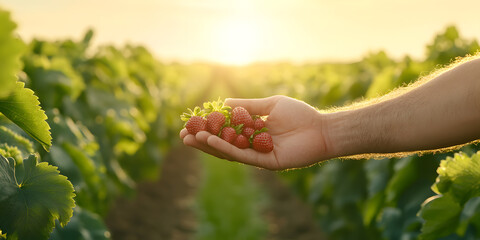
(296, 130)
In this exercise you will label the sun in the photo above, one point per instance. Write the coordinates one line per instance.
(237, 42)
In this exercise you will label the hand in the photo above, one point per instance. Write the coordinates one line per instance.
(296, 130)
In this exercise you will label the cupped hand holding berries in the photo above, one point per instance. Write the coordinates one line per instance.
(295, 129)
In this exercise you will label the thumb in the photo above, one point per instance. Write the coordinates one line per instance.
(257, 106)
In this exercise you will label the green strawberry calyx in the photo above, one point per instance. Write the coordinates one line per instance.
(197, 111)
(217, 106)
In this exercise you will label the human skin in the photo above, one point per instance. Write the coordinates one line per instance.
(440, 111)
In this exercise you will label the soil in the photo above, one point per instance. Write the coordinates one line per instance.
(164, 209)
(287, 215)
(161, 209)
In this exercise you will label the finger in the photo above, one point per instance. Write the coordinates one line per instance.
(246, 156)
(191, 141)
(183, 133)
(202, 137)
(258, 106)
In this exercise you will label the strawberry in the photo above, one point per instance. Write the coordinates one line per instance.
(215, 122)
(263, 142)
(240, 115)
(196, 124)
(248, 132)
(228, 134)
(241, 142)
(258, 124)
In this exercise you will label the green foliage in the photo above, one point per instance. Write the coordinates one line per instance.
(112, 111)
(449, 45)
(12, 140)
(110, 114)
(83, 225)
(32, 201)
(10, 50)
(17, 103)
(458, 189)
(22, 108)
(33, 195)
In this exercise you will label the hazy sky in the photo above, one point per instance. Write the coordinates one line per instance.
(238, 32)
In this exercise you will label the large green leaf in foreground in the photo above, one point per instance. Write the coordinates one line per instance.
(10, 50)
(30, 206)
(23, 108)
(455, 210)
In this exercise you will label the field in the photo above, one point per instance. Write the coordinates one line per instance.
(89, 149)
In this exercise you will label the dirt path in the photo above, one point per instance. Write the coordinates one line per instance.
(164, 209)
(287, 215)
(161, 209)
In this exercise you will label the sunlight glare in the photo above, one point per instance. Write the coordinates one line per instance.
(237, 42)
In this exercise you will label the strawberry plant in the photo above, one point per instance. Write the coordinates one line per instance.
(112, 115)
(33, 195)
(455, 210)
(235, 126)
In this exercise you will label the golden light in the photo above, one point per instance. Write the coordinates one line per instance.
(237, 42)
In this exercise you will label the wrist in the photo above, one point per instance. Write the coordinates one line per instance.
(354, 132)
(338, 140)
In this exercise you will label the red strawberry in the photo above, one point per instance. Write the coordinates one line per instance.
(263, 142)
(215, 121)
(248, 132)
(258, 124)
(196, 124)
(241, 142)
(228, 134)
(240, 115)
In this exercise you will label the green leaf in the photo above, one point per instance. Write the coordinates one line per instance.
(405, 174)
(29, 208)
(471, 210)
(459, 175)
(86, 166)
(83, 225)
(372, 207)
(11, 152)
(391, 221)
(441, 215)
(457, 204)
(11, 49)
(22, 108)
(11, 138)
(378, 173)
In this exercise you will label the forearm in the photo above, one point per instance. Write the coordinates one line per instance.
(441, 112)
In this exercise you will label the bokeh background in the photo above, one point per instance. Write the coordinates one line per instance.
(114, 76)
